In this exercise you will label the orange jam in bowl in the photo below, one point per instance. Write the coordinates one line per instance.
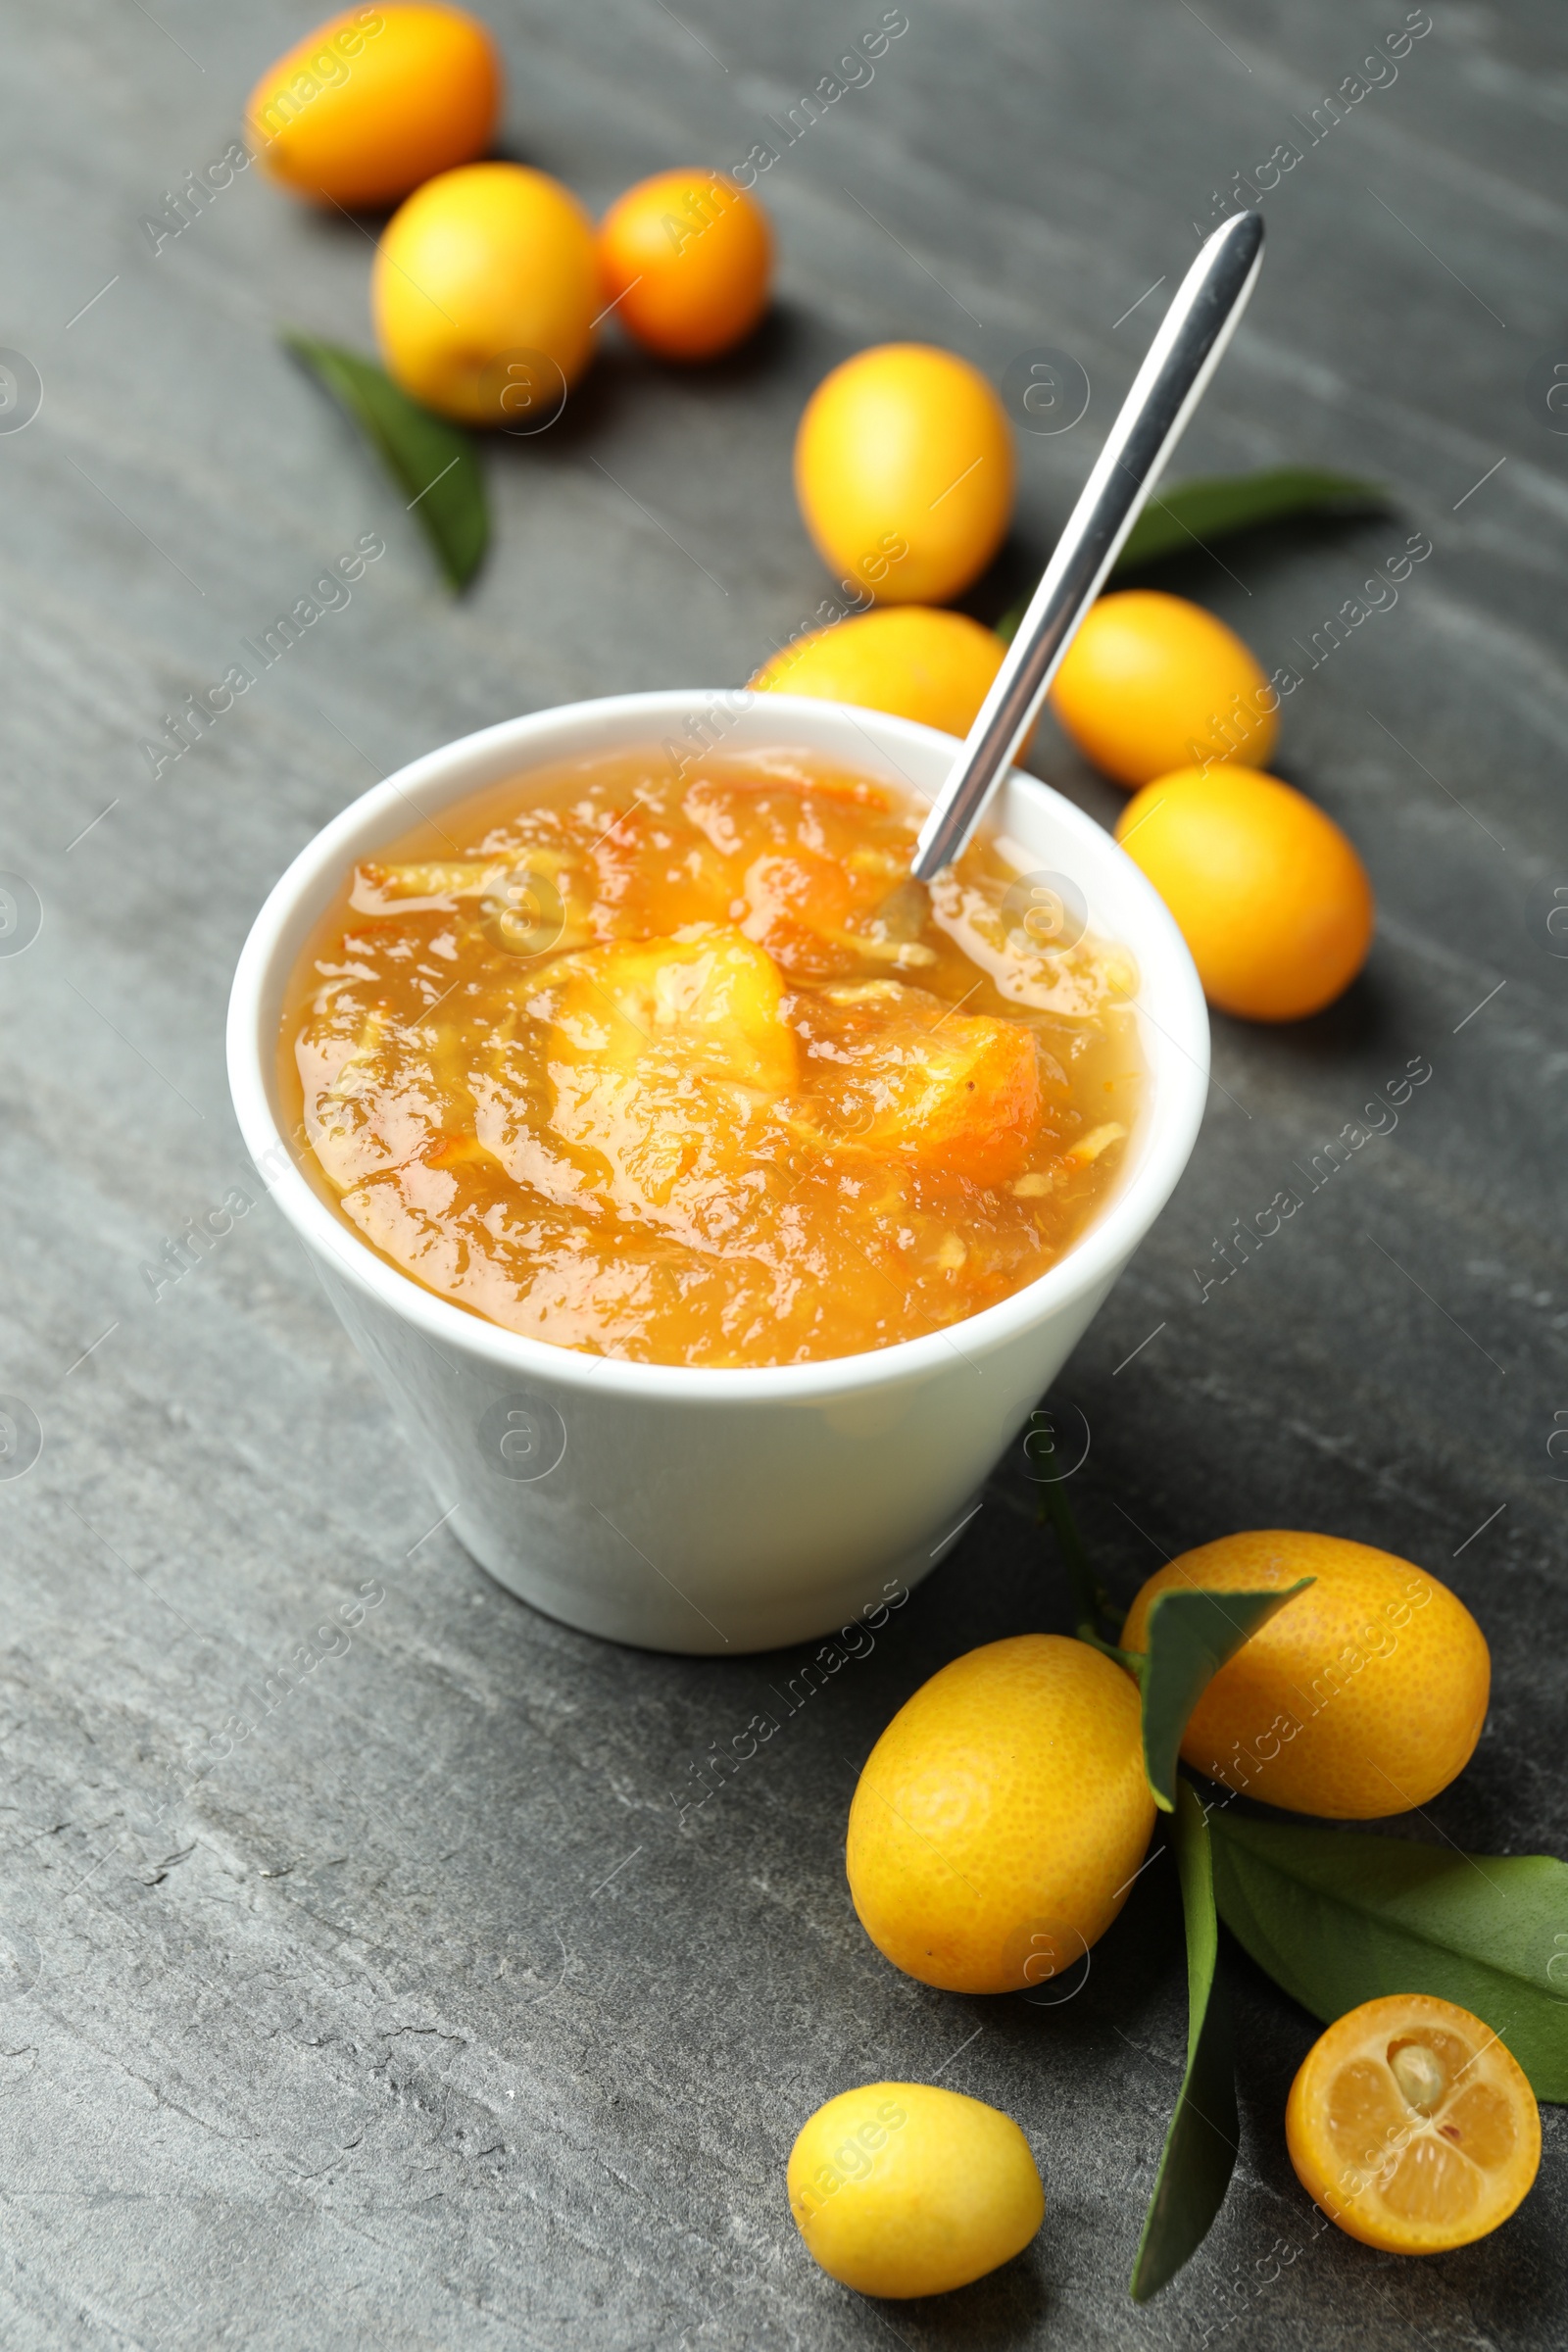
(644, 1063)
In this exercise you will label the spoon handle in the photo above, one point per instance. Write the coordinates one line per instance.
(1165, 391)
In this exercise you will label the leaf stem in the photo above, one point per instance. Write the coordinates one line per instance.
(1092, 1604)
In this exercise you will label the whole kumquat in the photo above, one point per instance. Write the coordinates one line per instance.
(1269, 895)
(487, 279)
(902, 2189)
(904, 469)
(375, 101)
(1152, 683)
(686, 258)
(916, 660)
(1000, 1818)
(1363, 1695)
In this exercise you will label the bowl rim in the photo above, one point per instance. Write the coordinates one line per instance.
(1176, 1047)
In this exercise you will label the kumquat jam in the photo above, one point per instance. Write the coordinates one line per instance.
(637, 1063)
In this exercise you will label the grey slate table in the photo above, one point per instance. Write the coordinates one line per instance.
(427, 2016)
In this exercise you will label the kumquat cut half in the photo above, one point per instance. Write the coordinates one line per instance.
(1412, 2127)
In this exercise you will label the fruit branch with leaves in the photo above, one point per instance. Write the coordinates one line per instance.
(1002, 1818)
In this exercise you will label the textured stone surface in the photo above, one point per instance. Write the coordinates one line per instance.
(422, 2018)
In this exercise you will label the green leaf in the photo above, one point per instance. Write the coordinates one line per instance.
(1192, 1632)
(1196, 514)
(1339, 1919)
(433, 463)
(1200, 2145)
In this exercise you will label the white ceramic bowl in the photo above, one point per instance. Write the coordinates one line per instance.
(716, 1510)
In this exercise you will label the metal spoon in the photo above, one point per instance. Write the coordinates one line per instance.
(1166, 389)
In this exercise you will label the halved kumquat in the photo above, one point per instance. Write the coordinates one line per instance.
(1412, 2127)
